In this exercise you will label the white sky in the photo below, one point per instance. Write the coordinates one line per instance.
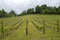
(20, 5)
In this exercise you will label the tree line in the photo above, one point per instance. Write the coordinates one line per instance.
(3, 13)
(43, 9)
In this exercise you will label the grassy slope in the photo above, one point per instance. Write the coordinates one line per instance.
(33, 33)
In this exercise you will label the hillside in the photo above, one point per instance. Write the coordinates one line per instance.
(30, 27)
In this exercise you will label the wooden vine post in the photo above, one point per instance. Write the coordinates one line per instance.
(43, 27)
(2, 30)
(57, 26)
(26, 27)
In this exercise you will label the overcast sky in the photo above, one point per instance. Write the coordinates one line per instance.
(20, 5)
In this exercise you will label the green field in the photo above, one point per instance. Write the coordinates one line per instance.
(30, 27)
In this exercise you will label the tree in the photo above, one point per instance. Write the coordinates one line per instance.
(30, 11)
(12, 13)
(3, 13)
(37, 9)
(43, 7)
(23, 13)
(58, 12)
(44, 11)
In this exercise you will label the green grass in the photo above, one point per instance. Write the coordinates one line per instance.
(34, 33)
